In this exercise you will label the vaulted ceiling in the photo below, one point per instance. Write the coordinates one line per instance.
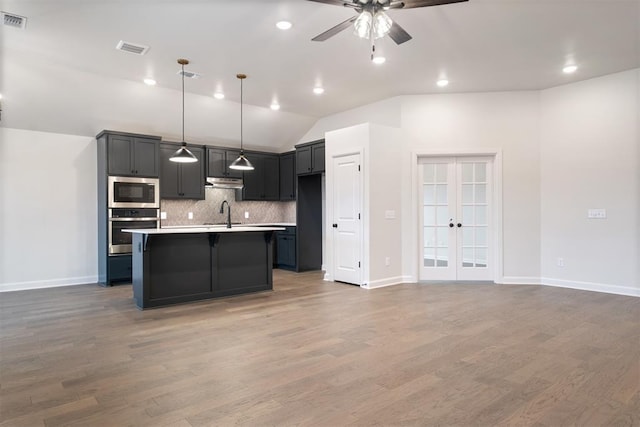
(52, 67)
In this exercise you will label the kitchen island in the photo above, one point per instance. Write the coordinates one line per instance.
(177, 265)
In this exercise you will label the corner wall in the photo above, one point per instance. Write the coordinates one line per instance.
(590, 160)
(48, 210)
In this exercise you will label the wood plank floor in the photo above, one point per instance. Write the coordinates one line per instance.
(322, 353)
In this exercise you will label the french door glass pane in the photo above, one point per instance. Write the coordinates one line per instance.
(429, 215)
(435, 215)
(467, 172)
(428, 194)
(441, 172)
(481, 193)
(481, 172)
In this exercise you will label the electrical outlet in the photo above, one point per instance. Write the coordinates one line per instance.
(596, 213)
(190, 215)
(560, 262)
(163, 215)
(246, 215)
(387, 261)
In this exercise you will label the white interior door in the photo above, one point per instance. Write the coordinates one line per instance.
(455, 219)
(347, 235)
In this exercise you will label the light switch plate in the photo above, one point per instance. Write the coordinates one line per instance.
(246, 215)
(596, 213)
(190, 215)
(163, 215)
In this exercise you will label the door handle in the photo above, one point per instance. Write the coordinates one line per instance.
(335, 225)
(459, 225)
(451, 224)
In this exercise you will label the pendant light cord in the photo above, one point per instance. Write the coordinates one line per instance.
(241, 145)
(183, 141)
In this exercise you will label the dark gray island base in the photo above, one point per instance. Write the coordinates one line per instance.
(177, 266)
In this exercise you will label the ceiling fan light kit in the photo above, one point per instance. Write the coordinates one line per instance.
(372, 22)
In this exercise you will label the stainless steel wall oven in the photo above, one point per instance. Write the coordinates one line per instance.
(121, 218)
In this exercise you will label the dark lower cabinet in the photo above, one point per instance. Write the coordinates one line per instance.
(182, 267)
(118, 269)
(286, 248)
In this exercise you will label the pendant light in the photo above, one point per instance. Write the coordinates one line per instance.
(241, 163)
(183, 155)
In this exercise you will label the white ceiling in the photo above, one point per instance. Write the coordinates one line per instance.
(479, 45)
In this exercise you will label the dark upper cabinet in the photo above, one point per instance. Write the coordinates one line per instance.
(132, 156)
(310, 158)
(218, 161)
(288, 176)
(262, 183)
(181, 180)
(317, 158)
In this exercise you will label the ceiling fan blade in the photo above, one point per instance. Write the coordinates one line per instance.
(335, 30)
(410, 4)
(398, 34)
(346, 3)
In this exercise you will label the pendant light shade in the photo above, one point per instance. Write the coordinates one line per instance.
(183, 155)
(241, 163)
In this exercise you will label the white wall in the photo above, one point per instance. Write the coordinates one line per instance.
(503, 121)
(563, 150)
(48, 213)
(590, 159)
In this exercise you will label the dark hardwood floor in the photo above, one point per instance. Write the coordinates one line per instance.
(322, 353)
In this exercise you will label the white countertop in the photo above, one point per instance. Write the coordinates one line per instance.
(267, 224)
(202, 229)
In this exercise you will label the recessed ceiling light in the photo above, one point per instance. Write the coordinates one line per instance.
(275, 106)
(218, 95)
(149, 81)
(318, 90)
(378, 60)
(442, 82)
(284, 25)
(570, 69)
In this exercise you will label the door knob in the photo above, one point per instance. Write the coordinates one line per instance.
(459, 225)
(451, 224)
(335, 225)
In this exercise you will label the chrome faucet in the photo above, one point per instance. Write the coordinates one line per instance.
(228, 212)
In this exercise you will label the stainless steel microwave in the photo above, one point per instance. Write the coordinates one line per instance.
(130, 192)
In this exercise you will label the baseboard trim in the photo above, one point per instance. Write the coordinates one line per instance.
(390, 281)
(327, 277)
(519, 280)
(41, 284)
(590, 286)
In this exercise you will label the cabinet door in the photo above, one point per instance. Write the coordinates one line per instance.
(317, 156)
(119, 155)
(231, 155)
(286, 250)
(145, 157)
(216, 163)
(271, 174)
(168, 173)
(303, 160)
(254, 180)
(192, 176)
(287, 177)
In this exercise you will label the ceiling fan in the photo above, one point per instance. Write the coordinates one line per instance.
(372, 22)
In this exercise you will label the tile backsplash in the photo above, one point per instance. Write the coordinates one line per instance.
(208, 210)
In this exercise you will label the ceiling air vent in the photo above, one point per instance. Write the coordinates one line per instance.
(189, 74)
(137, 49)
(13, 20)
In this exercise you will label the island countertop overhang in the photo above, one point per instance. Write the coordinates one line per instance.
(192, 230)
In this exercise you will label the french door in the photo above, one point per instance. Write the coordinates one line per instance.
(455, 219)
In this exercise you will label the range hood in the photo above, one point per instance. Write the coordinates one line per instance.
(233, 183)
